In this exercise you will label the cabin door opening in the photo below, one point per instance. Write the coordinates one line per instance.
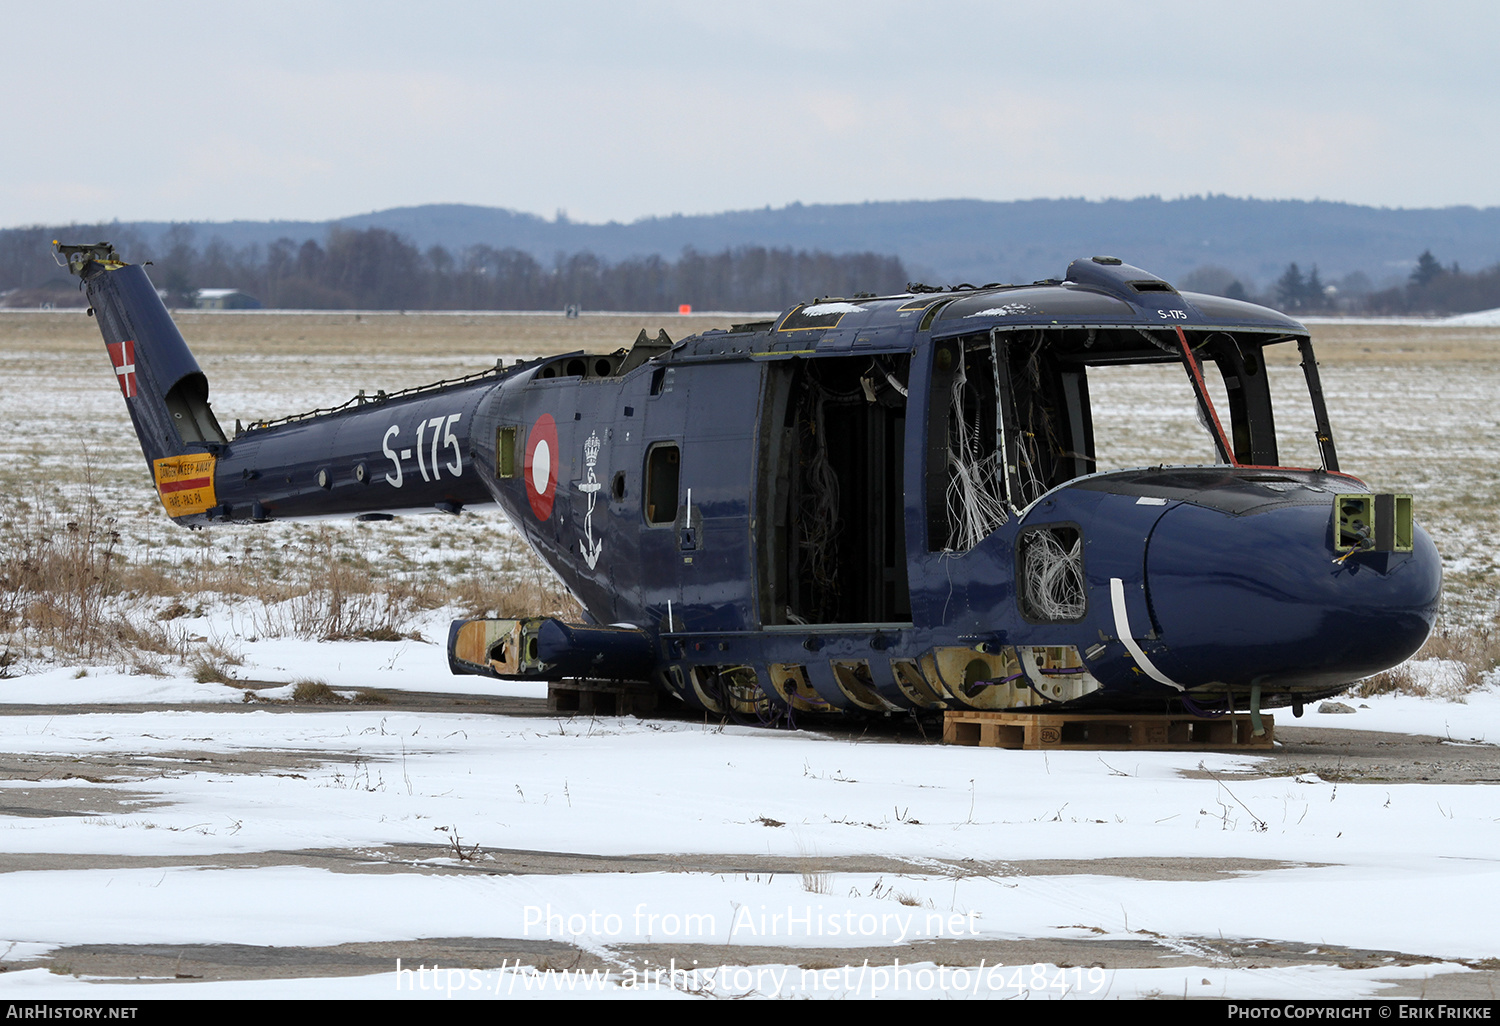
(831, 536)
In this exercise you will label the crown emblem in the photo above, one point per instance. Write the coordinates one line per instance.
(591, 449)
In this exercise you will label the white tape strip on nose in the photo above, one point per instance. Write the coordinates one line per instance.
(1122, 631)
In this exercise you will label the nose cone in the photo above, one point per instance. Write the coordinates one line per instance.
(1257, 599)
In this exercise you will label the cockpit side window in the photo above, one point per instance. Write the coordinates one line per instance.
(1049, 406)
(1303, 436)
(967, 496)
(1007, 421)
(1242, 373)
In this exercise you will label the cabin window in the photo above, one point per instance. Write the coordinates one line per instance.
(1049, 574)
(505, 452)
(1008, 420)
(1146, 417)
(663, 472)
(1149, 416)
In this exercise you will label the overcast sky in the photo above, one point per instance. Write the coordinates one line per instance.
(618, 110)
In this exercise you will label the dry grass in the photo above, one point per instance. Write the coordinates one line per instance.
(316, 692)
(67, 592)
(1398, 680)
(343, 600)
(147, 636)
(816, 877)
(1480, 648)
(468, 335)
(58, 568)
(817, 881)
(1398, 344)
(206, 671)
(140, 663)
(536, 593)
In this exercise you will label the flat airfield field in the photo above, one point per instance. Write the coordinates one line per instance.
(1415, 407)
(182, 806)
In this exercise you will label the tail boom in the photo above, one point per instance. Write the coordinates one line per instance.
(390, 455)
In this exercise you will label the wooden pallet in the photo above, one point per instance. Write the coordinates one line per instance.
(1106, 731)
(600, 698)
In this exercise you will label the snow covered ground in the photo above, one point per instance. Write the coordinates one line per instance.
(1393, 867)
(1478, 319)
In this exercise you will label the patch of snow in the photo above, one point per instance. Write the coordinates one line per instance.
(1478, 319)
(1368, 320)
(106, 686)
(1007, 310)
(352, 666)
(1474, 720)
(825, 309)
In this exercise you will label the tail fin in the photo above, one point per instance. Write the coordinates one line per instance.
(165, 391)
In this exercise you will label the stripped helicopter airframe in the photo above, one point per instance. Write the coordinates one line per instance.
(875, 504)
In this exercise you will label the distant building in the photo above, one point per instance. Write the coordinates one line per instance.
(225, 299)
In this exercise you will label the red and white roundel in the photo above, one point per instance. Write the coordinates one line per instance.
(540, 467)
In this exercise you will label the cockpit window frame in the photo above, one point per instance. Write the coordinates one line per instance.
(1248, 439)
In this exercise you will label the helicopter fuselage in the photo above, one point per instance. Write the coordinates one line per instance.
(877, 504)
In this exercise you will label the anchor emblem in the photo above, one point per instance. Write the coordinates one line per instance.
(591, 546)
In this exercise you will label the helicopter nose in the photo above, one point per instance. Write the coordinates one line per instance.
(1263, 596)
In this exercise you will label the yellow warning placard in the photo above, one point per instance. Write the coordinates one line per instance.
(185, 483)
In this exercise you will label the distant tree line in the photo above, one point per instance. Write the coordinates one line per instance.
(376, 269)
(1431, 289)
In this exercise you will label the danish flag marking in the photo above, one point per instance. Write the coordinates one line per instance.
(122, 355)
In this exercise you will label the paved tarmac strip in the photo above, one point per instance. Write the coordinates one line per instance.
(156, 963)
